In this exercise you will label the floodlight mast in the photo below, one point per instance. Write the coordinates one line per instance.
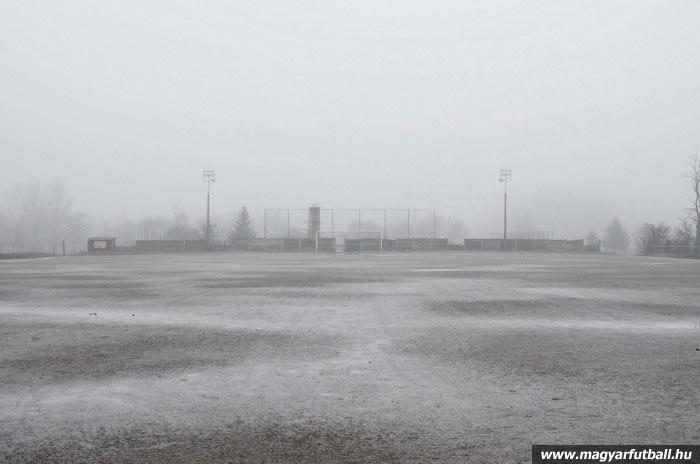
(208, 177)
(506, 176)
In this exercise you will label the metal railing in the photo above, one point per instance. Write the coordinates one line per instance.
(18, 248)
(674, 250)
(59, 248)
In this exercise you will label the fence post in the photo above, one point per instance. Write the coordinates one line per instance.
(63, 244)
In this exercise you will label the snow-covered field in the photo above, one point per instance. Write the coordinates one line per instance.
(449, 357)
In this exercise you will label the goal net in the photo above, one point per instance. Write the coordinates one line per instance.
(342, 241)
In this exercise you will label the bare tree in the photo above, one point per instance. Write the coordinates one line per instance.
(4, 227)
(452, 228)
(57, 205)
(425, 227)
(592, 238)
(683, 234)
(455, 231)
(41, 215)
(650, 236)
(181, 228)
(693, 176)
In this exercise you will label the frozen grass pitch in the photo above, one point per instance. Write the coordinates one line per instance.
(454, 357)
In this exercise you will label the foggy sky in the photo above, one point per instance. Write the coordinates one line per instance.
(593, 105)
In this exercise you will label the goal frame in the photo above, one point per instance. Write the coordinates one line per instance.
(355, 231)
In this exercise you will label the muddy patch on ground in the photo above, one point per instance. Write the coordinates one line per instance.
(285, 280)
(465, 274)
(88, 293)
(490, 307)
(326, 295)
(99, 285)
(583, 279)
(561, 309)
(64, 277)
(593, 357)
(7, 294)
(314, 442)
(49, 353)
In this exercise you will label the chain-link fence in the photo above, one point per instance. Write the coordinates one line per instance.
(394, 223)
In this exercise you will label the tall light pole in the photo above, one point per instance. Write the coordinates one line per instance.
(506, 176)
(208, 177)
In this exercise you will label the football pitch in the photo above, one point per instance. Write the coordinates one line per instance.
(394, 357)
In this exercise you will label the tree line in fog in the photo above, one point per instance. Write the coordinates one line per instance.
(42, 214)
(36, 213)
(649, 237)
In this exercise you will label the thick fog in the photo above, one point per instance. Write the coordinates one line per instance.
(375, 104)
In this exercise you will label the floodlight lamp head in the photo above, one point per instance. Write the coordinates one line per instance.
(208, 176)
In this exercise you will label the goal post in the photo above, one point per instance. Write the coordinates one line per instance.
(352, 235)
